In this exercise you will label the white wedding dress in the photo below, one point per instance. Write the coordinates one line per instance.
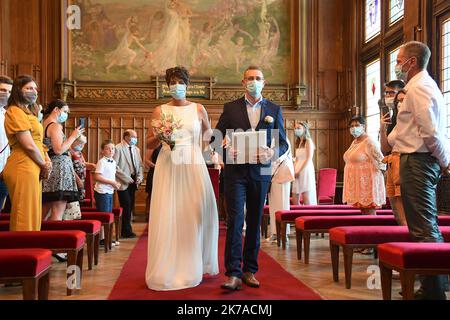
(183, 226)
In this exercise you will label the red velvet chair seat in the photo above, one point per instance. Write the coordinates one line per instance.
(375, 234)
(365, 237)
(326, 199)
(4, 216)
(328, 222)
(66, 241)
(24, 262)
(107, 219)
(115, 211)
(423, 255)
(87, 226)
(42, 239)
(411, 259)
(103, 217)
(291, 215)
(4, 225)
(90, 227)
(266, 212)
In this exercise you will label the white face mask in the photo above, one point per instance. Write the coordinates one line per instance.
(389, 101)
(299, 132)
(356, 131)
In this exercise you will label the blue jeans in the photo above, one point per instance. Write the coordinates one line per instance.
(103, 201)
(241, 193)
(3, 194)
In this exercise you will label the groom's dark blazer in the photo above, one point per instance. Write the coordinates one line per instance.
(235, 117)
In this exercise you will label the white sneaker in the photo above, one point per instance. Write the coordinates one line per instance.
(395, 275)
(272, 239)
(117, 243)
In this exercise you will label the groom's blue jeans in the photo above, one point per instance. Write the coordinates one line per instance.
(240, 193)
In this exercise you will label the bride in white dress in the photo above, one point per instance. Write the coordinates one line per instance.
(183, 223)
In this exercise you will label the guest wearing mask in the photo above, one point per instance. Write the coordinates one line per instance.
(423, 146)
(5, 91)
(130, 174)
(61, 186)
(393, 95)
(80, 165)
(305, 177)
(27, 158)
(363, 178)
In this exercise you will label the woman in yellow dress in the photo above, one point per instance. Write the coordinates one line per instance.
(27, 162)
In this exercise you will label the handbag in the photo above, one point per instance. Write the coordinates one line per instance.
(72, 211)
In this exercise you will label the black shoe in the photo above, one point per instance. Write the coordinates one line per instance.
(102, 242)
(59, 257)
(129, 235)
(13, 284)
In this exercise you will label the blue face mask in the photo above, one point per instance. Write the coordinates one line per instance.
(356, 131)
(178, 91)
(78, 148)
(40, 116)
(62, 117)
(254, 88)
(133, 141)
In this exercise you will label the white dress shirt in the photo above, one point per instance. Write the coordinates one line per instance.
(107, 168)
(254, 112)
(4, 146)
(421, 119)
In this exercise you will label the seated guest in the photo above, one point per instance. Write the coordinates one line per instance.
(27, 157)
(61, 187)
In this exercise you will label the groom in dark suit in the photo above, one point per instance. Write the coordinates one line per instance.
(248, 184)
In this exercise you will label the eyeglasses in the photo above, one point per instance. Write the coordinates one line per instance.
(251, 78)
(390, 92)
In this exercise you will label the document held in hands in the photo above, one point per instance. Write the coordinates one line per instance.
(247, 145)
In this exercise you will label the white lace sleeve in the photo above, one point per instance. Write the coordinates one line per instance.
(374, 152)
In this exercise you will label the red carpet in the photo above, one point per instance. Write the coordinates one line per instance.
(276, 283)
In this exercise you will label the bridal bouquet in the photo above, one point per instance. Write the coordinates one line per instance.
(166, 128)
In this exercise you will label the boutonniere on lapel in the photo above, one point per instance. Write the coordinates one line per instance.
(268, 120)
